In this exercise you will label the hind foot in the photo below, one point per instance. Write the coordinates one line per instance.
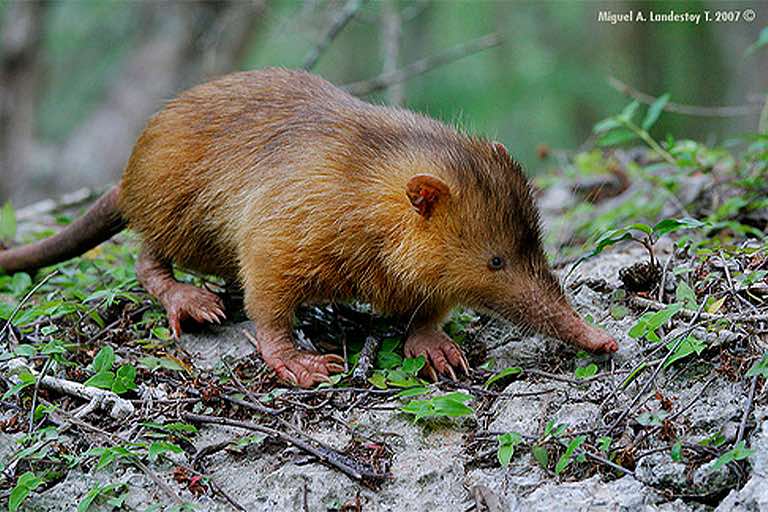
(182, 302)
(185, 302)
(442, 355)
(298, 367)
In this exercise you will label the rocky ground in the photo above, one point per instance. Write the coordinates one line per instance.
(653, 427)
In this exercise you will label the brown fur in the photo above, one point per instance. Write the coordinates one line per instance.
(297, 188)
(282, 181)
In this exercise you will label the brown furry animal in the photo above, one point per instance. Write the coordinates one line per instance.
(303, 193)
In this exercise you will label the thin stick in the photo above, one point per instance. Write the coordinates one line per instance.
(343, 463)
(421, 66)
(112, 439)
(338, 23)
(687, 313)
(679, 108)
(24, 300)
(747, 409)
(652, 379)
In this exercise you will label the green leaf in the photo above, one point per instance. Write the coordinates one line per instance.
(654, 111)
(104, 359)
(649, 419)
(630, 110)
(506, 372)
(677, 452)
(760, 367)
(26, 379)
(669, 225)
(20, 283)
(159, 447)
(541, 455)
(101, 380)
(7, 222)
(419, 408)
(604, 443)
(584, 372)
(507, 443)
(25, 350)
(125, 379)
(606, 125)
(26, 483)
(616, 137)
(619, 312)
(412, 366)
(738, 452)
(388, 360)
(414, 391)
(566, 457)
(690, 345)
(633, 375)
(684, 294)
(378, 379)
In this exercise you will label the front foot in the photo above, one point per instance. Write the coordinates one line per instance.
(185, 302)
(298, 367)
(440, 352)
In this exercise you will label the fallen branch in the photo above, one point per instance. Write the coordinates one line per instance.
(747, 410)
(350, 467)
(421, 66)
(679, 108)
(118, 408)
(365, 362)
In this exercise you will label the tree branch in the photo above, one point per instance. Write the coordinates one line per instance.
(421, 66)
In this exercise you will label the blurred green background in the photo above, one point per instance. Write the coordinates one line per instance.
(93, 71)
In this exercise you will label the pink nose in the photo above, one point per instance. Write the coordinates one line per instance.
(597, 340)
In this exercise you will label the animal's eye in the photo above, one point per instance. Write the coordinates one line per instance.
(496, 263)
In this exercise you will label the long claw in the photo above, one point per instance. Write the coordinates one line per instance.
(464, 365)
(450, 372)
(335, 367)
(333, 358)
(291, 377)
(321, 377)
(432, 374)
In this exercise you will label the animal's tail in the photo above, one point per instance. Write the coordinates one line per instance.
(101, 222)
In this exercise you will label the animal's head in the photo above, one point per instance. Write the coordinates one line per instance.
(479, 217)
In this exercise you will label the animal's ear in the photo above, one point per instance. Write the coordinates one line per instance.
(424, 192)
(499, 149)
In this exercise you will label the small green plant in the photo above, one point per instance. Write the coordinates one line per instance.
(585, 372)
(759, 368)
(449, 405)
(109, 497)
(622, 128)
(688, 346)
(565, 458)
(507, 444)
(403, 374)
(649, 323)
(738, 452)
(652, 419)
(502, 374)
(677, 452)
(119, 382)
(26, 483)
(604, 444)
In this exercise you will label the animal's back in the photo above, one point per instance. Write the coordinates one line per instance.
(217, 149)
